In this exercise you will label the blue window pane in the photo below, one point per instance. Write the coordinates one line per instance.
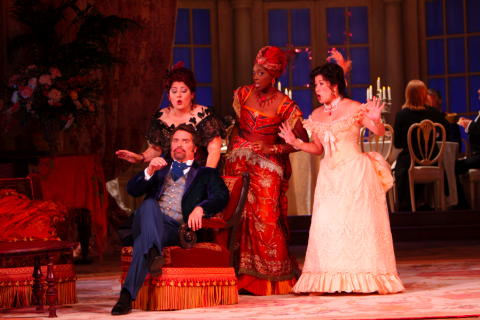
(182, 54)
(359, 24)
(301, 69)
(201, 26)
(436, 57)
(454, 11)
(203, 65)
(434, 17)
(473, 93)
(204, 96)
(182, 27)
(361, 73)
(278, 27)
(456, 55)
(284, 79)
(335, 26)
(439, 85)
(473, 53)
(304, 100)
(456, 94)
(301, 27)
(359, 94)
(473, 22)
(165, 102)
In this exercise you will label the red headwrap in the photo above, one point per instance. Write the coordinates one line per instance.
(273, 59)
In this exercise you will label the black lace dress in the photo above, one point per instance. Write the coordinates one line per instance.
(207, 125)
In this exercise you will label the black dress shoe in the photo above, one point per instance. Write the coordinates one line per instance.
(155, 266)
(123, 305)
(155, 262)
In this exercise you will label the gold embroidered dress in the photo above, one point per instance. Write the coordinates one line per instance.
(266, 266)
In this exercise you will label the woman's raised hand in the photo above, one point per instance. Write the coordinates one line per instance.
(129, 156)
(374, 109)
(286, 133)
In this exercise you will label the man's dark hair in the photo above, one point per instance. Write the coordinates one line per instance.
(190, 129)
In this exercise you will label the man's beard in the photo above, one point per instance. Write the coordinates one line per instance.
(179, 154)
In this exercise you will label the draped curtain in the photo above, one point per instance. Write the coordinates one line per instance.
(134, 89)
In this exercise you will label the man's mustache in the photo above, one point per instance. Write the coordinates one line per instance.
(179, 148)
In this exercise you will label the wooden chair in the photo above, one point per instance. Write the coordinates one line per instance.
(383, 145)
(425, 162)
(203, 275)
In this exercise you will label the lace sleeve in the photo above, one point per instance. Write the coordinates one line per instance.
(209, 128)
(158, 133)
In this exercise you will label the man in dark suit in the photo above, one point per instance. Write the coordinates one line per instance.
(175, 193)
(472, 161)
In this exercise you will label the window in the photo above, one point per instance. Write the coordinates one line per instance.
(345, 29)
(452, 39)
(348, 32)
(193, 46)
(290, 30)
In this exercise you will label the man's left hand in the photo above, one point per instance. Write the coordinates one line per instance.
(195, 219)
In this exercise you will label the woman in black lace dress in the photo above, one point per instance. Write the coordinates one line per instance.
(181, 86)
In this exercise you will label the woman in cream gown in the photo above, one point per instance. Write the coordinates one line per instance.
(350, 245)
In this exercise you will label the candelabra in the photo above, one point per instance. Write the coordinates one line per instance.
(384, 93)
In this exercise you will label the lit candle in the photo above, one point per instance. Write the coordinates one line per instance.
(279, 86)
(286, 91)
(290, 94)
(389, 93)
(378, 84)
(370, 92)
(384, 93)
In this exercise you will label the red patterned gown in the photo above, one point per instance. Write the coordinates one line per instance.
(265, 266)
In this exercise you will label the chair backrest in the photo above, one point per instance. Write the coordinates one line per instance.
(238, 187)
(20, 185)
(381, 144)
(422, 143)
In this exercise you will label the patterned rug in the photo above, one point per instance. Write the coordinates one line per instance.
(435, 288)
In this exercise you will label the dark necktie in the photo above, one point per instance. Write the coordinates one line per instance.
(177, 169)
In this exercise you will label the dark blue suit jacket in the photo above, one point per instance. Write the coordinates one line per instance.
(204, 187)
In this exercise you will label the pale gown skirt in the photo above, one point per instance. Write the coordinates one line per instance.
(350, 245)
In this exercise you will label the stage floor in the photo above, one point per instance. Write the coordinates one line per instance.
(442, 280)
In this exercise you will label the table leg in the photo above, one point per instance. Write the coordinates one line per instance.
(52, 290)
(37, 285)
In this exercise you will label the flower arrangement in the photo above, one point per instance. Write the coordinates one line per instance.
(43, 93)
(58, 65)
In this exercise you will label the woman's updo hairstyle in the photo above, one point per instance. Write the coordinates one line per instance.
(178, 73)
(331, 72)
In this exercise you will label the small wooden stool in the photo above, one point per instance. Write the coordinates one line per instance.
(38, 249)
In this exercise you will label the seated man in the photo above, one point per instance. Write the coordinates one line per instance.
(472, 161)
(175, 193)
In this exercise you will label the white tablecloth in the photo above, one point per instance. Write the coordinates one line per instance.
(305, 170)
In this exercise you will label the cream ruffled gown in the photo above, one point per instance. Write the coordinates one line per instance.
(350, 245)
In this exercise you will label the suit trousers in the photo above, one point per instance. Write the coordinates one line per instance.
(150, 228)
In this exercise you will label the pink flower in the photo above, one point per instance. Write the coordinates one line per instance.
(32, 83)
(54, 97)
(55, 73)
(45, 79)
(12, 82)
(26, 92)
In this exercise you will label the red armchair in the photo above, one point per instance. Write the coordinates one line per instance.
(26, 220)
(203, 275)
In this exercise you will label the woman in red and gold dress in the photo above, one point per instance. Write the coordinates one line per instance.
(265, 265)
